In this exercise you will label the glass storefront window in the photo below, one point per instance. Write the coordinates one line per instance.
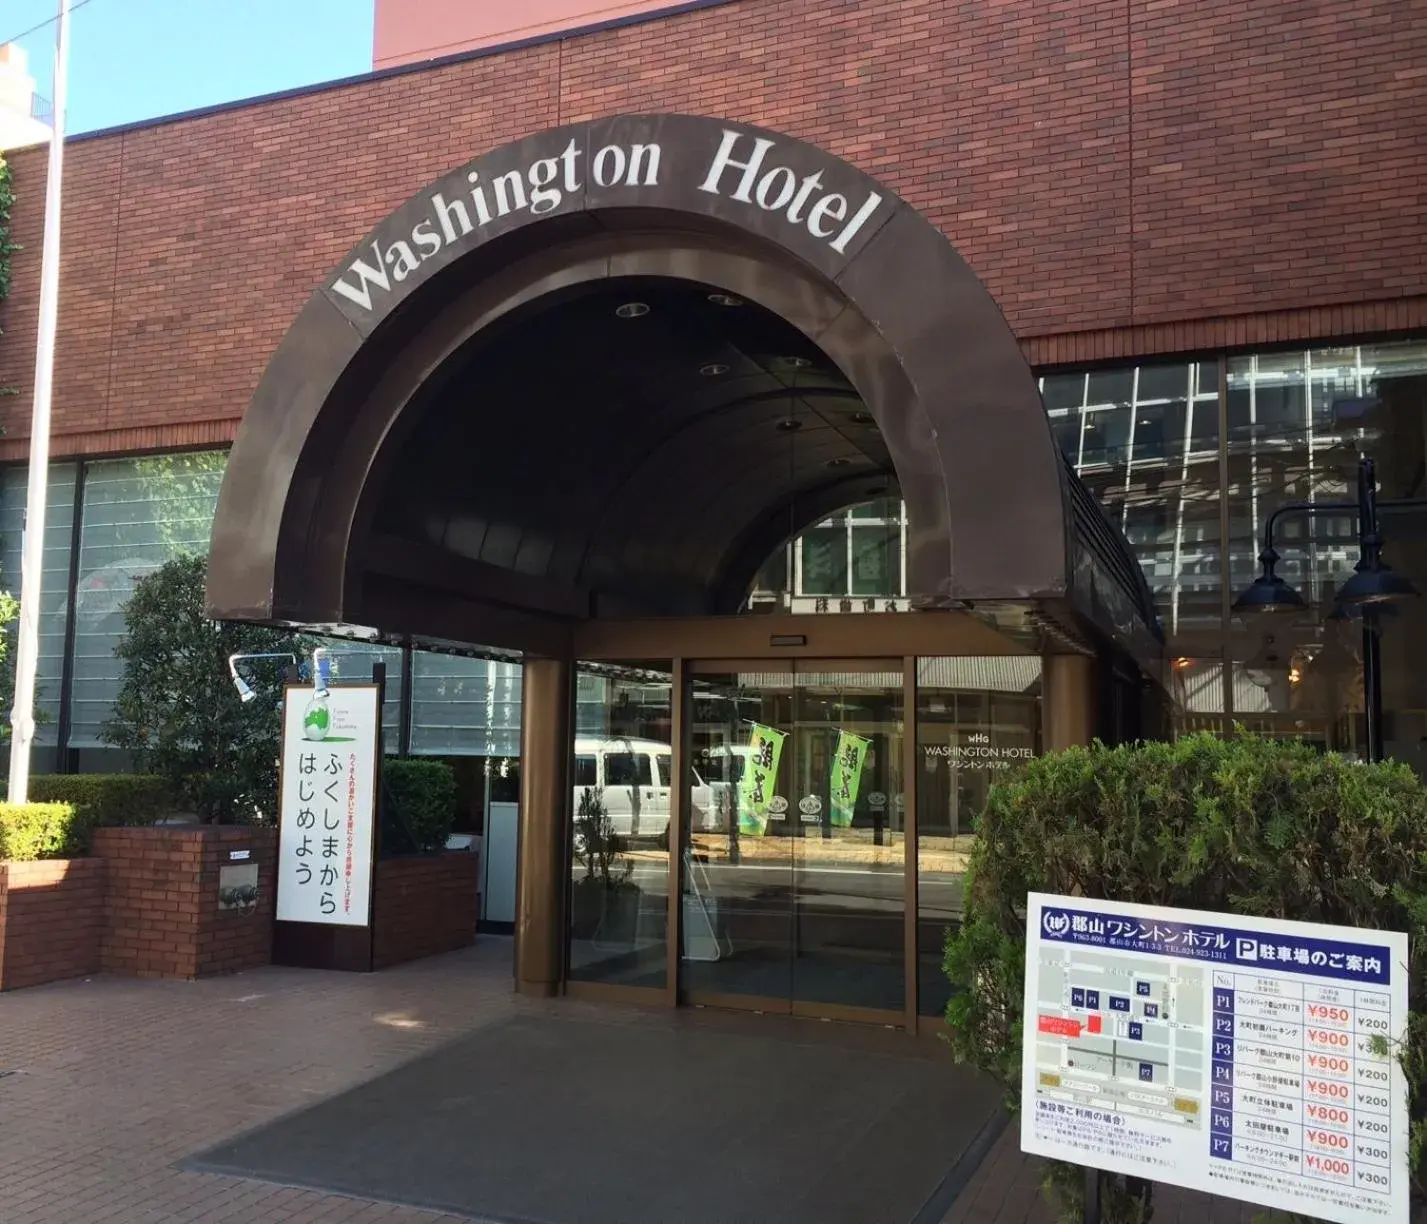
(54, 599)
(352, 664)
(1145, 442)
(621, 805)
(137, 514)
(977, 718)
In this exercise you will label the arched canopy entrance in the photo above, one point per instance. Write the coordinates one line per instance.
(452, 441)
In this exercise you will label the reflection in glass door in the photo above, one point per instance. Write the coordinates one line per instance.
(794, 880)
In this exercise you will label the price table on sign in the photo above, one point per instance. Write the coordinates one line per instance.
(1249, 1058)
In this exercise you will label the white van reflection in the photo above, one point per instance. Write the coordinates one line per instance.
(633, 778)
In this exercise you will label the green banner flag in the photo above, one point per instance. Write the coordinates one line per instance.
(760, 776)
(847, 776)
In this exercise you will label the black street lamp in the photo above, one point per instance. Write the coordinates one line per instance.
(1372, 589)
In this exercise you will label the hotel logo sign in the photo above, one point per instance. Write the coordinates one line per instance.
(687, 164)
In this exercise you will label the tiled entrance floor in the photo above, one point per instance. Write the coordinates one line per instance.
(107, 1084)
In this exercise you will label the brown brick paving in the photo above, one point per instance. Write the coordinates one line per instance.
(115, 1080)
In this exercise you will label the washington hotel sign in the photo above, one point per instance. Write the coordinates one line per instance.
(739, 169)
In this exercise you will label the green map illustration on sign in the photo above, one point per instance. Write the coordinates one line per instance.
(760, 776)
(847, 765)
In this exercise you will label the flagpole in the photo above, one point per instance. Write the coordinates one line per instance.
(27, 646)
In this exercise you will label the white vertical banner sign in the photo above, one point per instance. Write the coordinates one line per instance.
(330, 744)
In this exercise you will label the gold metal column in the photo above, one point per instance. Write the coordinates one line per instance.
(545, 750)
(1068, 705)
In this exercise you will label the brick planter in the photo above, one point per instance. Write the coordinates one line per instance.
(424, 905)
(51, 920)
(162, 900)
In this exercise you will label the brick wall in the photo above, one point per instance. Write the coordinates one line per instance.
(1127, 176)
(51, 921)
(423, 906)
(162, 901)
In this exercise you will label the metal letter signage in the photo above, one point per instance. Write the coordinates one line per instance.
(1246, 1057)
(811, 201)
(330, 742)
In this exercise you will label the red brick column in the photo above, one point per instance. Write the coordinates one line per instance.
(162, 903)
(423, 906)
(51, 920)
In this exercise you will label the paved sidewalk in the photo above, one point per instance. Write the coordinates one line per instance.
(106, 1084)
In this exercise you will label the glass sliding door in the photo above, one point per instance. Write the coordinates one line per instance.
(849, 856)
(737, 928)
(619, 836)
(794, 876)
(977, 720)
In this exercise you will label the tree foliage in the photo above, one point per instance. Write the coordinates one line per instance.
(178, 710)
(1245, 825)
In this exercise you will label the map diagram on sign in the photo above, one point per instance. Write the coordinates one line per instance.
(1117, 1033)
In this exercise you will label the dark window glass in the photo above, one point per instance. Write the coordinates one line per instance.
(1107, 434)
(1163, 382)
(875, 561)
(627, 769)
(1067, 436)
(825, 561)
(1063, 391)
(1111, 387)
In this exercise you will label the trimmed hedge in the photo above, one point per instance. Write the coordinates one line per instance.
(108, 800)
(1246, 825)
(30, 831)
(418, 806)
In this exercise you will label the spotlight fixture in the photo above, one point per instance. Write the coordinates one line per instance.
(713, 369)
(840, 461)
(863, 418)
(789, 425)
(632, 310)
(797, 363)
(725, 299)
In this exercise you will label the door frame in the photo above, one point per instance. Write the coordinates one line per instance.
(856, 640)
(905, 666)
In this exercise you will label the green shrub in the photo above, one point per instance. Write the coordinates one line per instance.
(418, 806)
(31, 831)
(1245, 825)
(107, 800)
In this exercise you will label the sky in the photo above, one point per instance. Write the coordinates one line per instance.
(131, 60)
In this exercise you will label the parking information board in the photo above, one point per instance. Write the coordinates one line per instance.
(1222, 1053)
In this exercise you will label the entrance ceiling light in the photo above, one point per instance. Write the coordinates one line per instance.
(632, 310)
(789, 425)
(713, 369)
(797, 363)
(863, 418)
(840, 461)
(725, 299)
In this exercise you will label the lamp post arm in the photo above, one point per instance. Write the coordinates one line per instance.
(1306, 508)
(1340, 507)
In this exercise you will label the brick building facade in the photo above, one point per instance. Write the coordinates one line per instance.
(1128, 180)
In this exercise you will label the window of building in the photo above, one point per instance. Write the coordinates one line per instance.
(54, 578)
(136, 515)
